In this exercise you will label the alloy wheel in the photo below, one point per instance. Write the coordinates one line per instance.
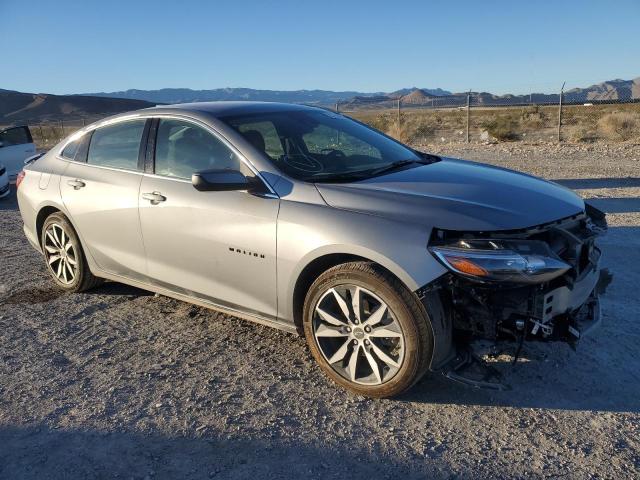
(358, 335)
(60, 254)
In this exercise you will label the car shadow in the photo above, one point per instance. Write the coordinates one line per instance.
(40, 451)
(10, 202)
(616, 205)
(596, 183)
(115, 289)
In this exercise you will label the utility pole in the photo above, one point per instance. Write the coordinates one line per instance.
(399, 115)
(468, 109)
(560, 112)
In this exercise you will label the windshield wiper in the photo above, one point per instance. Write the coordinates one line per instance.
(338, 177)
(362, 174)
(392, 166)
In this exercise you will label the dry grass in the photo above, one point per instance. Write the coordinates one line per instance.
(580, 123)
(620, 126)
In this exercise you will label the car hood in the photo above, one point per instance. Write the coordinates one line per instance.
(457, 195)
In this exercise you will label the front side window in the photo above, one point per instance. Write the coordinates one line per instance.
(117, 145)
(183, 148)
(15, 136)
(317, 145)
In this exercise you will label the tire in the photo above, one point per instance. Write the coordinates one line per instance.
(398, 342)
(64, 257)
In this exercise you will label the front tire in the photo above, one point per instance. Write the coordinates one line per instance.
(366, 330)
(64, 257)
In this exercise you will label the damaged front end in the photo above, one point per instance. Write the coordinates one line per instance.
(541, 283)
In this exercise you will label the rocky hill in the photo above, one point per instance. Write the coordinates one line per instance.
(19, 107)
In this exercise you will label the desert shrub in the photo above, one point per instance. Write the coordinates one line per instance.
(620, 126)
(582, 133)
(418, 127)
(502, 128)
(533, 117)
(380, 122)
(421, 131)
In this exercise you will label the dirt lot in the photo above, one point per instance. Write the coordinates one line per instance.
(120, 383)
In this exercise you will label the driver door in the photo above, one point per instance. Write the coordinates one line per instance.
(217, 246)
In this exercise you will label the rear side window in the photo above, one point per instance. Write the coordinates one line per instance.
(117, 146)
(15, 136)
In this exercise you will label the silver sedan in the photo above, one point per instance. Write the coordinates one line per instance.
(389, 260)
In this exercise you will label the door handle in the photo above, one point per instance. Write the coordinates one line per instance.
(76, 184)
(154, 197)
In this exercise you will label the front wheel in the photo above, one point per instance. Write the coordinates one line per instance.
(64, 257)
(366, 330)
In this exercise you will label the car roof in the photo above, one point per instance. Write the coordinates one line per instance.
(230, 108)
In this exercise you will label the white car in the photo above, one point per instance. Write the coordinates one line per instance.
(4, 182)
(16, 145)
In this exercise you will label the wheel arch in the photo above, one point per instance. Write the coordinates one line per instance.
(323, 261)
(44, 212)
(42, 215)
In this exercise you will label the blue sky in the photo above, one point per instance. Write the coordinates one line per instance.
(498, 46)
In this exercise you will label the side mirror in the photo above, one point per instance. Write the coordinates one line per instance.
(220, 181)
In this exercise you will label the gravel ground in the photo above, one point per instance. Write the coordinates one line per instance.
(120, 383)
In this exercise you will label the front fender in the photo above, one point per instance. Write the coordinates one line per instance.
(307, 232)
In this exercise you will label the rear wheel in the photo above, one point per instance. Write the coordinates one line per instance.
(366, 330)
(64, 257)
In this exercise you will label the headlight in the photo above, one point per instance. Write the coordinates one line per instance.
(514, 261)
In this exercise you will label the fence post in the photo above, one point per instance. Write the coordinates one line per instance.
(337, 107)
(468, 109)
(560, 113)
(61, 130)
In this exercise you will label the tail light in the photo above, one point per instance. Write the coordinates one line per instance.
(20, 178)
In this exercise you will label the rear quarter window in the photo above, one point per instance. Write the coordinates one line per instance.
(69, 152)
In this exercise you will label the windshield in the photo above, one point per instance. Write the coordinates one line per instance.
(321, 146)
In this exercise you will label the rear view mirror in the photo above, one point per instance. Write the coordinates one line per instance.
(219, 181)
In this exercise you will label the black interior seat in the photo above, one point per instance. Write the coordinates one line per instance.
(255, 138)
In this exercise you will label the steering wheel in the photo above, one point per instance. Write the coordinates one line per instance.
(332, 152)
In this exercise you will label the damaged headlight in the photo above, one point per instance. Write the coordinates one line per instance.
(514, 261)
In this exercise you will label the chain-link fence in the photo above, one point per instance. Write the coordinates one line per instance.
(478, 117)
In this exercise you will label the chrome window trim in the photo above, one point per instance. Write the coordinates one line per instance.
(151, 115)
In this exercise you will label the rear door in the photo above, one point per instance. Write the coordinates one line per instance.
(16, 145)
(218, 246)
(100, 190)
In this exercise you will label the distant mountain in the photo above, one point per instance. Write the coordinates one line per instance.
(437, 92)
(611, 90)
(625, 90)
(183, 95)
(19, 107)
